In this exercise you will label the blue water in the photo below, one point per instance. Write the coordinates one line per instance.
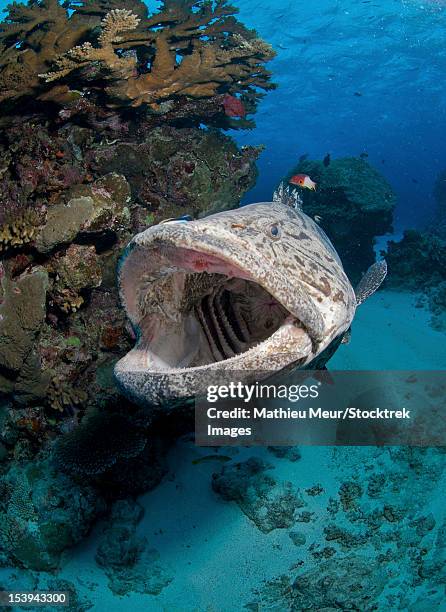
(392, 52)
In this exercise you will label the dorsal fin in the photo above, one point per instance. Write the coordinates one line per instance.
(288, 197)
(371, 281)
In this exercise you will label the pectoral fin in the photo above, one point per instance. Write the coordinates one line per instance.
(371, 281)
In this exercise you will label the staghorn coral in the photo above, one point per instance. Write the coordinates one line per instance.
(190, 49)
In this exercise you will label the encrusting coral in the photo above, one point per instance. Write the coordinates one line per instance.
(188, 49)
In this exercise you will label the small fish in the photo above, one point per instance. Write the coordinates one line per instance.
(233, 106)
(304, 181)
(364, 155)
(317, 218)
(358, 94)
(327, 160)
(219, 458)
(183, 219)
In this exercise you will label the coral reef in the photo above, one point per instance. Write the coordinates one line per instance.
(125, 557)
(42, 513)
(62, 355)
(380, 548)
(354, 202)
(268, 504)
(173, 170)
(417, 261)
(111, 121)
(438, 225)
(437, 305)
(22, 314)
(117, 55)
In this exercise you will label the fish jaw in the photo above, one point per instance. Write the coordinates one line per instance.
(200, 297)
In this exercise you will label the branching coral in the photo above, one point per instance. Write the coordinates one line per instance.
(18, 230)
(118, 20)
(64, 397)
(190, 49)
(30, 37)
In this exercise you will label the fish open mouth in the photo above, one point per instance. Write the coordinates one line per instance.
(196, 307)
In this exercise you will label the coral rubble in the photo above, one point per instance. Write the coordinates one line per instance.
(354, 202)
(372, 545)
(130, 565)
(270, 505)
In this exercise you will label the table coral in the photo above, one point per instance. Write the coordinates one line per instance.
(188, 49)
(87, 451)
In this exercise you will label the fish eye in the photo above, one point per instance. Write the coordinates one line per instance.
(274, 231)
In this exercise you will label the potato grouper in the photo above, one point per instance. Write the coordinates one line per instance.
(256, 289)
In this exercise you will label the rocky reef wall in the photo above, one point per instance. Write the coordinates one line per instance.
(112, 119)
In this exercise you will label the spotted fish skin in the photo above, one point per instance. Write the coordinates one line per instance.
(274, 244)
